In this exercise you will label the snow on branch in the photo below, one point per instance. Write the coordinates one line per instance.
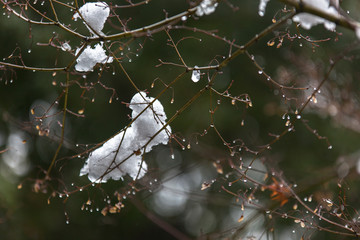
(122, 154)
(94, 15)
(323, 10)
(90, 57)
(308, 20)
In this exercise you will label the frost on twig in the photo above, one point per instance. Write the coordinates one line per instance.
(94, 15)
(90, 57)
(122, 154)
(308, 20)
(206, 7)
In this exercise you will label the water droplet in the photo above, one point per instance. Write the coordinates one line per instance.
(29, 51)
(300, 45)
(298, 116)
(260, 72)
(268, 78)
(67, 222)
(330, 147)
(172, 156)
(218, 101)
(183, 18)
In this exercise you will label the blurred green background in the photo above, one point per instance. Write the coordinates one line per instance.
(171, 192)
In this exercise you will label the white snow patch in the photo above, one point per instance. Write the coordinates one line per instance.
(262, 7)
(90, 57)
(195, 77)
(307, 20)
(94, 15)
(16, 158)
(206, 7)
(65, 47)
(357, 32)
(116, 157)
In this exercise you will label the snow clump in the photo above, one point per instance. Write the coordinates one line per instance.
(94, 15)
(122, 154)
(262, 7)
(206, 7)
(195, 77)
(90, 57)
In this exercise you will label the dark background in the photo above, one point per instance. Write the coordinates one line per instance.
(299, 157)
